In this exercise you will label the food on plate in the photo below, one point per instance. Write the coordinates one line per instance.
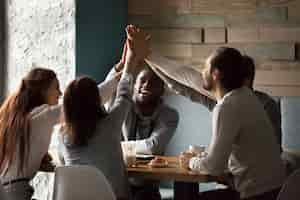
(158, 162)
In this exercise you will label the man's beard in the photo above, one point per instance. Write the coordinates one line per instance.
(208, 83)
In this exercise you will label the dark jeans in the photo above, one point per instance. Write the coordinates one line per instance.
(20, 190)
(234, 195)
(147, 192)
(229, 194)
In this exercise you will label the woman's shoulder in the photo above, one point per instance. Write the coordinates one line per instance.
(44, 110)
(39, 109)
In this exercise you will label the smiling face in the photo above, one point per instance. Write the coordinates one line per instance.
(53, 93)
(148, 88)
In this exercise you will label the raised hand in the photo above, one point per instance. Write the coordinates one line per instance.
(118, 75)
(120, 65)
(123, 59)
(138, 43)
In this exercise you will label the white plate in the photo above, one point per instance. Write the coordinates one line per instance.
(145, 157)
(158, 165)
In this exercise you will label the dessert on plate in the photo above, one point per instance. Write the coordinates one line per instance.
(158, 162)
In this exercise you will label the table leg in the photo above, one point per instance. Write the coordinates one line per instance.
(185, 190)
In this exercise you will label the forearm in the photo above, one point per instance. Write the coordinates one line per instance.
(123, 101)
(184, 75)
(125, 87)
(220, 148)
(150, 146)
(107, 89)
(157, 142)
(111, 74)
(142, 147)
(204, 165)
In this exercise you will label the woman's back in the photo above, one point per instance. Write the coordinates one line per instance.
(104, 152)
(27, 118)
(102, 148)
(42, 120)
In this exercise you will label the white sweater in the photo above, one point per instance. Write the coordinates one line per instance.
(243, 138)
(243, 141)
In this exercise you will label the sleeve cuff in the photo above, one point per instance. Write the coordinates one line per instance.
(141, 147)
(111, 82)
(128, 78)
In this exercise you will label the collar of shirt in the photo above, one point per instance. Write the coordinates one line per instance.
(151, 117)
(228, 94)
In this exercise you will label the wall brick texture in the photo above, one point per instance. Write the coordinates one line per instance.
(267, 30)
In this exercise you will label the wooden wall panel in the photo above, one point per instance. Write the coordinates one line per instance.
(279, 90)
(260, 51)
(238, 34)
(264, 34)
(150, 7)
(174, 50)
(190, 30)
(280, 34)
(278, 65)
(272, 14)
(277, 78)
(222, 7)
(176, 35)
(270, 51)
(215, 35)
(177, 21)
(293, 11)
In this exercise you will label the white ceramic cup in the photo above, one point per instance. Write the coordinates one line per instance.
(129, 153)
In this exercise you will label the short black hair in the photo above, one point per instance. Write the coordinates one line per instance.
(229, 62)
(249, 68)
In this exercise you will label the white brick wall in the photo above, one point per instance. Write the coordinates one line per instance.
(42, 33)
(2, 48)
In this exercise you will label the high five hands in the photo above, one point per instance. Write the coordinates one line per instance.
(135, 49)
(138, 43)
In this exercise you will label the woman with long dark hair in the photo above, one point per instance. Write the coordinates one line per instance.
(91, 136)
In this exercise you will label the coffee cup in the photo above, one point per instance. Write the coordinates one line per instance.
(129, 153)
(186, 154)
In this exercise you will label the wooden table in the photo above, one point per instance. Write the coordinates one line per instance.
(185, 182)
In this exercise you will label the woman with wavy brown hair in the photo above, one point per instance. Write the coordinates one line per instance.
(26, 121)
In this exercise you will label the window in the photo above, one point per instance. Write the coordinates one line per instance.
(2, 48)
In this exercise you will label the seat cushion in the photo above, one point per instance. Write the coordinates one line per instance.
(194, 126)
(290, 117)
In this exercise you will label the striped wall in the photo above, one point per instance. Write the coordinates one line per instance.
(267, 30)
